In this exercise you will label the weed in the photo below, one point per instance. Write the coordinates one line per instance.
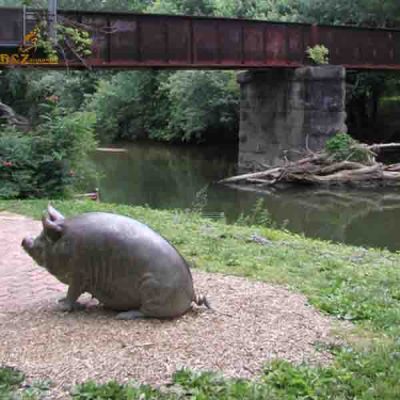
(343, 147)
(258, 215)
(9, 379)
(319, 54)
(114, 391)
(200, 200)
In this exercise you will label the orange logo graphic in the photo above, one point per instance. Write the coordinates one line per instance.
(26, 53)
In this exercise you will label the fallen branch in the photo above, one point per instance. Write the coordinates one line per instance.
(383, 146)
(323, 169)
(254, 175)
(340, 166)
(272, 171)
(393, 167)
(112, 150)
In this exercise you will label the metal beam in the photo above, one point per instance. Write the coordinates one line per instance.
(52, 20)
(133, 41)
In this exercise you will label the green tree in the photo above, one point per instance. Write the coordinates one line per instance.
(277, 10)
(204, 105)
(95, 5)
(26, 91)
(130, 105)
(375, 13)
(187, 7)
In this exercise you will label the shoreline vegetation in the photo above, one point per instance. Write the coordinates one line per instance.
(350, 283)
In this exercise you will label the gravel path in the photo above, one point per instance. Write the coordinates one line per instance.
(255, 322)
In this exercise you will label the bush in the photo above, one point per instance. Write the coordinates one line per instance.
(343, 147)
(48, 161)
(258, 215)
(319, 54)
(202, 103)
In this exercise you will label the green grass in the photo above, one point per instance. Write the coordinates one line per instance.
(9, 380)
(351, 283)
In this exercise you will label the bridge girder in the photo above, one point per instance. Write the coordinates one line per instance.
(133, 41)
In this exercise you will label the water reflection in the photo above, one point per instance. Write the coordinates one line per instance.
(360, 217)
(165, 176)
(161, 176)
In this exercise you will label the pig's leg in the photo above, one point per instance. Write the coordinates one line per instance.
(130, 315)
(152, 300)
(69, 302)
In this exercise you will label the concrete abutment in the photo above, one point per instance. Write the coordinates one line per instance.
(283, 111)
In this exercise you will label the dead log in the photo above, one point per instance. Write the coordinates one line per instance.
(276, 171)
(7, 113)
(391, 175)
(262, 181)
(253, 175)
(392, 167)
(341, 166)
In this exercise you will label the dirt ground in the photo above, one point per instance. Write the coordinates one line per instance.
(254, 322)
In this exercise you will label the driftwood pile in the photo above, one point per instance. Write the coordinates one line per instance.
(323, 169)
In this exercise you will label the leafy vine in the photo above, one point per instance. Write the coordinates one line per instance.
(68, 39)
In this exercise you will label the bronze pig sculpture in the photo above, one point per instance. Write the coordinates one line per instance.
(121, 262)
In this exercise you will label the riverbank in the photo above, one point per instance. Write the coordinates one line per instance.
(349, 283)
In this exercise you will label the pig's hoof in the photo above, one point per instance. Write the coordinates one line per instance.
(67, 306)
(129, 315)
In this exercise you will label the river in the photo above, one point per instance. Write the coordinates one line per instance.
(181, 177)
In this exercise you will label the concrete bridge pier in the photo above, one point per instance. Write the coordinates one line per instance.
(282, 111)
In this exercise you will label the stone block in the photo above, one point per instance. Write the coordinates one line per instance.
(253, 160)
(324, 96)
(324, 123)
(242, 138)
(244, 77)
(281, 108)
(295, 95)
(317, 142)
(244, 115)
(322, 72)
(248, 126)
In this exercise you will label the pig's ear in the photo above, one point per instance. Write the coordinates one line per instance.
(51, 229)
(54, 214)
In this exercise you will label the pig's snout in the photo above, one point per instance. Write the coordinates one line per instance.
(27, 243)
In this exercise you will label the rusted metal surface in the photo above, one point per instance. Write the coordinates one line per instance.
(11, 27)
(163, 41)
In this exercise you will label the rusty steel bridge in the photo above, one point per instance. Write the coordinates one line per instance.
(129, 40)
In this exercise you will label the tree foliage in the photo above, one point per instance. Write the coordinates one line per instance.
(374, 13)
(180, 106)
(49, 160)
(202, 102)
(95, 5)
(130, 105)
